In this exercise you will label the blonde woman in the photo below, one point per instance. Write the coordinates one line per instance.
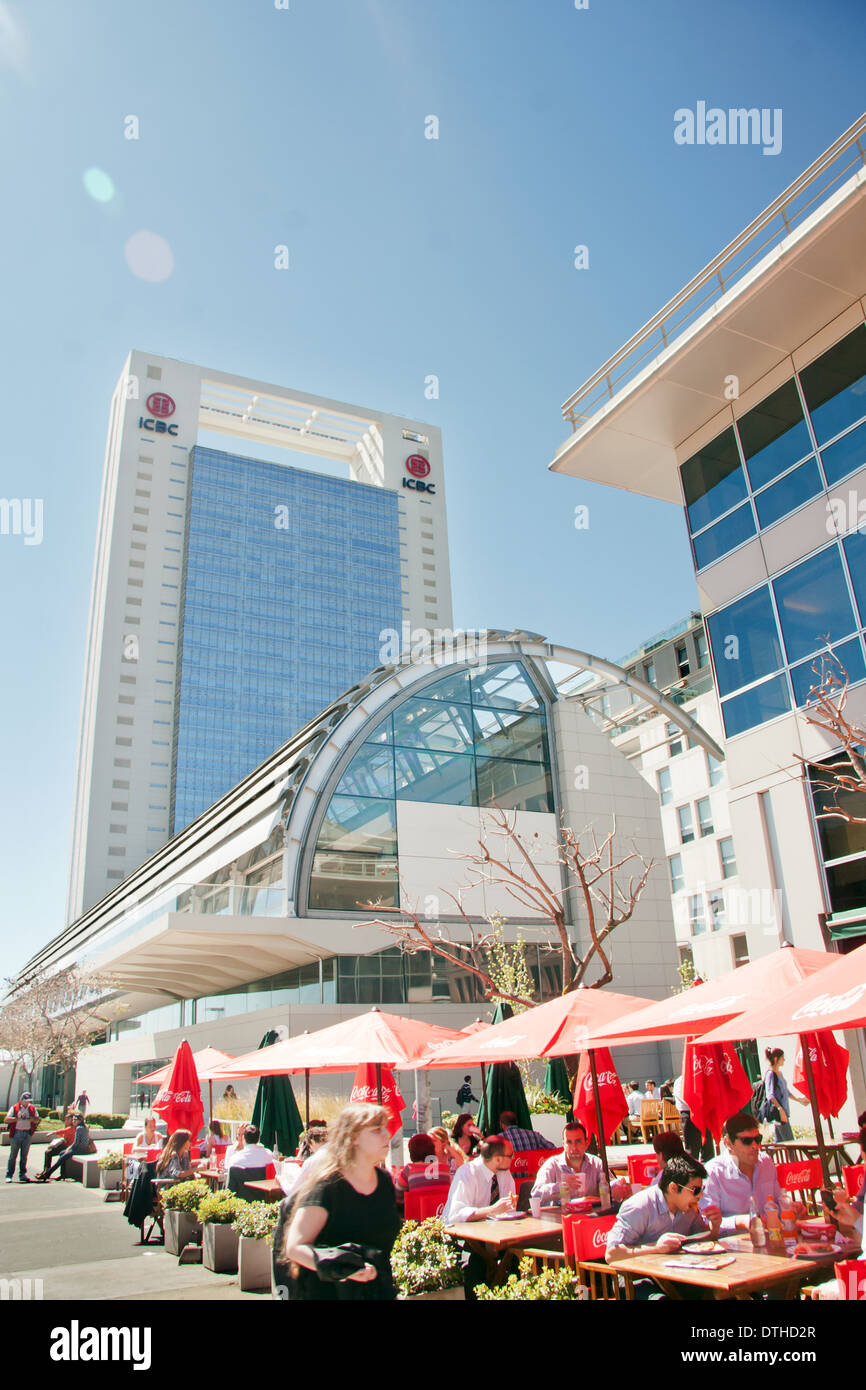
(347, 1200)
(447, 1151)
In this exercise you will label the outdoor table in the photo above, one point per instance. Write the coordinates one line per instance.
(213, 1176)
(496, 1241)
(270, 1188)
(797, 1150)
(750, 1273)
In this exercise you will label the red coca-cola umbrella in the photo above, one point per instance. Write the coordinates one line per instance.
(829, 1068)
(715, 1086)
(612, 1106)
(375, 1085)
(179, 1100)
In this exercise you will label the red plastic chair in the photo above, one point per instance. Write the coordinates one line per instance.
(585, 1237)
(803, 1179)
(853, 1176)
(424, 1202)
(271, 1171)
(526, 1162)
(127, 1148)
(642, 1168)
(851, 1280)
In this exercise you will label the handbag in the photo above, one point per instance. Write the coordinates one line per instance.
(91, 1147)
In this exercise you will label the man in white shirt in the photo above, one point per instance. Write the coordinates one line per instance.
(253, 1154)
(481, 1190)
(741, 1174)
(573, 1163)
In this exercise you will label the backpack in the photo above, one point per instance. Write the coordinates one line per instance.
(762, 1108)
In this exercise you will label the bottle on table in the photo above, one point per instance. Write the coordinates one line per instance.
(773, 1224)
(756, 1228)
(604, 1192)
(788, 1218)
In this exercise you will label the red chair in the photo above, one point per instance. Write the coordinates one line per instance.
(804, 1180)
(642, 1168)
(585, 1237)
(853, 1176)
(526, 1162)
(127, 1148)
(271, 1171)
(851, 1280)
(424, 1202)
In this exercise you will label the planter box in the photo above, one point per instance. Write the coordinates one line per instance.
(109, 1178)
(437, 1295)
(220, 1247)
(255, 1265)
(550, 1126)
(181, 1228)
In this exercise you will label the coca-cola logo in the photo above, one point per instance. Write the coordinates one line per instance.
(829, 1003)
(719, 1006)
(605, 1078)
(799, 1179)
(599, 1239)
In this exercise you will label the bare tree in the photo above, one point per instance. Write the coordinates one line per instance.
(594, 869)
(51, 1019)
(826, 710)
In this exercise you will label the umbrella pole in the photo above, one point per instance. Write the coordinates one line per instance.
(598, 1116)
(379, 1081)
(813, 1101)
(210, 1098)
(307, 1096)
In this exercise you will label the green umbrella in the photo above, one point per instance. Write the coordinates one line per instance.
(275, 1113)
(556, 1082)
(503, 1089)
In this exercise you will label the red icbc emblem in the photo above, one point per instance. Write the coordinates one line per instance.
(161, 405)
(417, 465)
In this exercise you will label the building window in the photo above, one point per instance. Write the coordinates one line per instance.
(843, 843)
(687, 826)
(713, 481)
(675, 865)
(682, 656)
(675, 739)
(833, 386)
(705, 816)
(666, 795)
(717, 910)
(728, 858)
(740, 949)
(703, 651)
(649, 672)
(774, 435)
(686, 957)
(697, 920)
(828, 615)
(715, 771)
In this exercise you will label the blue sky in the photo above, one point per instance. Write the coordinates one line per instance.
(260, 126)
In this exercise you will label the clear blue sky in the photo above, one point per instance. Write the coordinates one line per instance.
(261, 126)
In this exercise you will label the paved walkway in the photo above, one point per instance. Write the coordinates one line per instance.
(82, 1247)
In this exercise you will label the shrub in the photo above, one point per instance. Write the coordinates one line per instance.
(541, 1102)
(185, 1196)
(257, 1220)
(550, 1284)
(97, 1119)
(109, 1163)
(220, 1208)
(424, 1259)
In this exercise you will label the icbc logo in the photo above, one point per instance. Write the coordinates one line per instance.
(419, 467)
(160, 405)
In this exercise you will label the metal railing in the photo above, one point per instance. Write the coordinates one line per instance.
(784, 214)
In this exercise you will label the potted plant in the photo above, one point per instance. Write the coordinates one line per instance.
(216, 1212)
(548, 1113)
(426, 1262)
(255, 1227)
(180, 1203)
(560, 1285)
(110, 1167)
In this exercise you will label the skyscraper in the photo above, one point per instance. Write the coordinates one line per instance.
(234, 597)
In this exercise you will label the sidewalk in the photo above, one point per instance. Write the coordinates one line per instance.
(82, 1248)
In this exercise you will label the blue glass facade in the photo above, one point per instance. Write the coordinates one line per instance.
(289, 578)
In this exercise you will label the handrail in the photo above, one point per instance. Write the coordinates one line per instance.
(713, 279)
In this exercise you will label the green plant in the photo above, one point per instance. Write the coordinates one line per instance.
(257, 1220)
(550, 1284)
(219, 1208)
(185, 1196)
(109, 1163)
(424, 1259)
(541, 1102)
(98, 1119)
(687, 974)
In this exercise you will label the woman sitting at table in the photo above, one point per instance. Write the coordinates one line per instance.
(174, 1161)
(446, 1150)
(466, 1136)
(423, 1169)
(215, 1144)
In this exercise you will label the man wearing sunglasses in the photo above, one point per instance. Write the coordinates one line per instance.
(659, 1217)
(741, 1174)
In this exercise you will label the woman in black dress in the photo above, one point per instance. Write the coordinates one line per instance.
(347, 1200)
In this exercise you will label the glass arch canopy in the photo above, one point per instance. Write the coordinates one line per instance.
(470, 739)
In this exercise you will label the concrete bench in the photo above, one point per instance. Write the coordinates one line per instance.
(85, 1168)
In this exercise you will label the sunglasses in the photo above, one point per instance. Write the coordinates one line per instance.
(750, 1138)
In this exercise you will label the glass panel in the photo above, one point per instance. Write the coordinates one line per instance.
(745, 641)
(756, 706)
(713, 481)
(434, 724)
(847, 884)
(788, 493)
(839, 838)
(687, 826)
(807, 676)
(814, 606)
(725, 536)
(697, 922)
(675, 864)
(835, 386)
(774, 435)
(510, 734)
(702, 649)
(705, 816)
(845, 455)
(505, 686)
(717, 911)
(855, 553)
(514, 786)
(649, 672)
(729, 860)
(423, 776)
(740, 948)
(675, 740)
(262, 895)
(340, 882)
(454, 687)
(717, 771)
(384, 733)
(370, 773)
(359, 823)
(665, 792)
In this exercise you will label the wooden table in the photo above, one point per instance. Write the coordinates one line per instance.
(795, 1150)
(213, 1176)
(496, 1241)
(270, 1188)
(750, 1273)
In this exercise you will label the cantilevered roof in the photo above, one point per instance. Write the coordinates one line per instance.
(747, 311)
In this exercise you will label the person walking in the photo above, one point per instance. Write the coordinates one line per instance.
(778, 1096)
(22, 1122)
(336, 1231)
(82, 1103)
(465, 1098)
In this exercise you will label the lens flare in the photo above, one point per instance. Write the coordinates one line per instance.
(99, 185)
(149, 256)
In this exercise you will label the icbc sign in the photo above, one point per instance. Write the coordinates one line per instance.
(419, 468)
(162, 407)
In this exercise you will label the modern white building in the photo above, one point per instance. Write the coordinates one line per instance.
(248, 918)
(743, 401)
(234, 596)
